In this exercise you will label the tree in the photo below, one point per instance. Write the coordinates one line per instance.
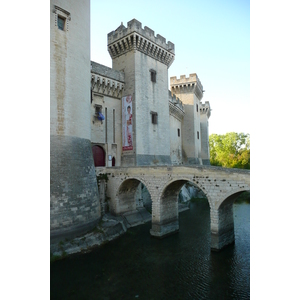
(231, 150)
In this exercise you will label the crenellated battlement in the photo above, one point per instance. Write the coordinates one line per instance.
(176, 108)
(134, 37)
(204, 108)
(188, 84)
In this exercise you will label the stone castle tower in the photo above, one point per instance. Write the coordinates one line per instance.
(144, 58)
(195, 123)
(74, 199)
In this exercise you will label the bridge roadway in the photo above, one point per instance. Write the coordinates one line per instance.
(221, 186)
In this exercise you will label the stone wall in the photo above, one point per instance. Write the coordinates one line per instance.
(190, 92)
(137, 52)
(107, 88)
(74, 198)
(220, 185)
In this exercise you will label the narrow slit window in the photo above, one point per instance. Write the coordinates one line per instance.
(178, 132)
(198, 135)
(153, 117)
(153, 75)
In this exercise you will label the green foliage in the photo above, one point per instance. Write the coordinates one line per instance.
(102, 177)
(230, 150)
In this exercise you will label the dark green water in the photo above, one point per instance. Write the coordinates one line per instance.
(181, 266)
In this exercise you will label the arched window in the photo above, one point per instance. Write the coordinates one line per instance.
(113, 161)
(99, 156)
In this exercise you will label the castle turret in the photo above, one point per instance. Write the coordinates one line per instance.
(205, 112)
(145, 59)
(190, 92)
(74, 199)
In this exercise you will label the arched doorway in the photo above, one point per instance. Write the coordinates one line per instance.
(113, 161)
(99, 156)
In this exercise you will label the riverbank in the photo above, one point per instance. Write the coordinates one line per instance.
(109, 228)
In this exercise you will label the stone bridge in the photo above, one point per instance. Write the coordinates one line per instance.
(221, 186)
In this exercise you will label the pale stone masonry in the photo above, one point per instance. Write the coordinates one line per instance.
(221, 187)
(190, 91)
(89, 124)
(74, 196)
(137, 52)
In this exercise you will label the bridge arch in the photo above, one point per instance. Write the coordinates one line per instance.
(230, 197)
(222, 220)
(126, 193)
(174, 184)
(165, 207)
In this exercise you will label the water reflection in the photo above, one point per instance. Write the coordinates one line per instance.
(181, 266)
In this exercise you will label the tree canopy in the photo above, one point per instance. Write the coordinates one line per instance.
(230, 150)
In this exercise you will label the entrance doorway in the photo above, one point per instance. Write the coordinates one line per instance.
(99, 156)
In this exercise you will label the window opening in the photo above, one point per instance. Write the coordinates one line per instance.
(114, 126)
(98, 113)
(153, 75)
(153, 117)
(198, 135)
(106, 125)
(61, 23)
(178, 132)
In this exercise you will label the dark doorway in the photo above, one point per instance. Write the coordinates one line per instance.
(113, 161)
(99, 156)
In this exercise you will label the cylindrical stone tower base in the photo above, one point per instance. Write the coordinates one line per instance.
(74, 203)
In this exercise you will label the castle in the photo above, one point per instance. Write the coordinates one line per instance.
(120, 116)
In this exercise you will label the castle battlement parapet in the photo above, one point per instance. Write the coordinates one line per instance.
(176, 107)
(187, 84)
(134, 37)
(205, 108)
(106, 81)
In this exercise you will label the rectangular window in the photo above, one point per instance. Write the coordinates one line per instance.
(197, 107)
(178, 132)
(98, 109)
(198, 135)
(61, 23)
(153, 117)
(153, 75)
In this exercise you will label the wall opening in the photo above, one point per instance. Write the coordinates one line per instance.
(99, 156)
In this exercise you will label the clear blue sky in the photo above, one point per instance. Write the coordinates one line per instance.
(212, 39)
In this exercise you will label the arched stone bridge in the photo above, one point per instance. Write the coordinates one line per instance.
(221, 186)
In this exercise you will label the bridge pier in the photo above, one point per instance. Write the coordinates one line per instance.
(161, 230)
(222, 227)
(165, 214)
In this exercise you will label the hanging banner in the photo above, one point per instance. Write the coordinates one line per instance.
(127, 123)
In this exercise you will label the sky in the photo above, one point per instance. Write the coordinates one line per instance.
(212, 39)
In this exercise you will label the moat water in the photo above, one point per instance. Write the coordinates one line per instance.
(181, 266)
